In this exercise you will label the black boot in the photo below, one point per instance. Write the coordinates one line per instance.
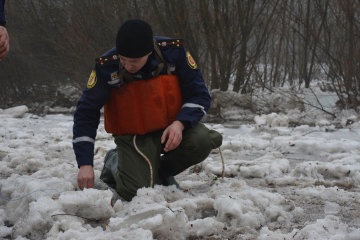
(170, 180)
(165, 176)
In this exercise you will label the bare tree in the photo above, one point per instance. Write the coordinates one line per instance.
(252, 15)
(341, 49)
(245, 44)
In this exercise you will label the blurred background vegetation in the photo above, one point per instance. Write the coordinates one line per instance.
(240, 45)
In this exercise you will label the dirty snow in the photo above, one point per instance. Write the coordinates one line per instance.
(280, 182)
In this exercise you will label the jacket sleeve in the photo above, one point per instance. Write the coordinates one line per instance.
(87, 118)
(2, 13)
(196, 97)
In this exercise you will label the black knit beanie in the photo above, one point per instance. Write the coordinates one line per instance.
(134, 39)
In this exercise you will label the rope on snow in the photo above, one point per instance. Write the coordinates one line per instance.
(147, 160)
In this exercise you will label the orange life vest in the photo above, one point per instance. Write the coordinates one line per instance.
(143, 106)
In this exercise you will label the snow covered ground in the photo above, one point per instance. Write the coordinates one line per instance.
(280, 182)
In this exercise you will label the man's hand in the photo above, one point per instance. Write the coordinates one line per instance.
(85, 177)
(4, 42)
(173, 134)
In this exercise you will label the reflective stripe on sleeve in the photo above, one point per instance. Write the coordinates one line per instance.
(112, 82)
(194, 105)
(84, 139)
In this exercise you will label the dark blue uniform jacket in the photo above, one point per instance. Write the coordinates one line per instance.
(196, 98)
(2, 13)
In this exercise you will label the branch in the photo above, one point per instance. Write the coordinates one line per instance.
(318, 101)
(307, 103)
(88, 219)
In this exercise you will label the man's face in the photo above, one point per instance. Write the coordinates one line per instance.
(133, 65)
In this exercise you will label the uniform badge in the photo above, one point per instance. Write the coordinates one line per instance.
(115, 78)
(191, 62)
(92, 79)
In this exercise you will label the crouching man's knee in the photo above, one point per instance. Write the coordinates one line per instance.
(195, 147)
(200, 140)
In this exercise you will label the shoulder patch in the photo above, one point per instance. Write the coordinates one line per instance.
(190, 61)
(92, 80)
(106, 59)
(170, 43)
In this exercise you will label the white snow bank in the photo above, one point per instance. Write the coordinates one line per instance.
(280, 182)
(16, 112)
(272, 120)
(330, 228)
